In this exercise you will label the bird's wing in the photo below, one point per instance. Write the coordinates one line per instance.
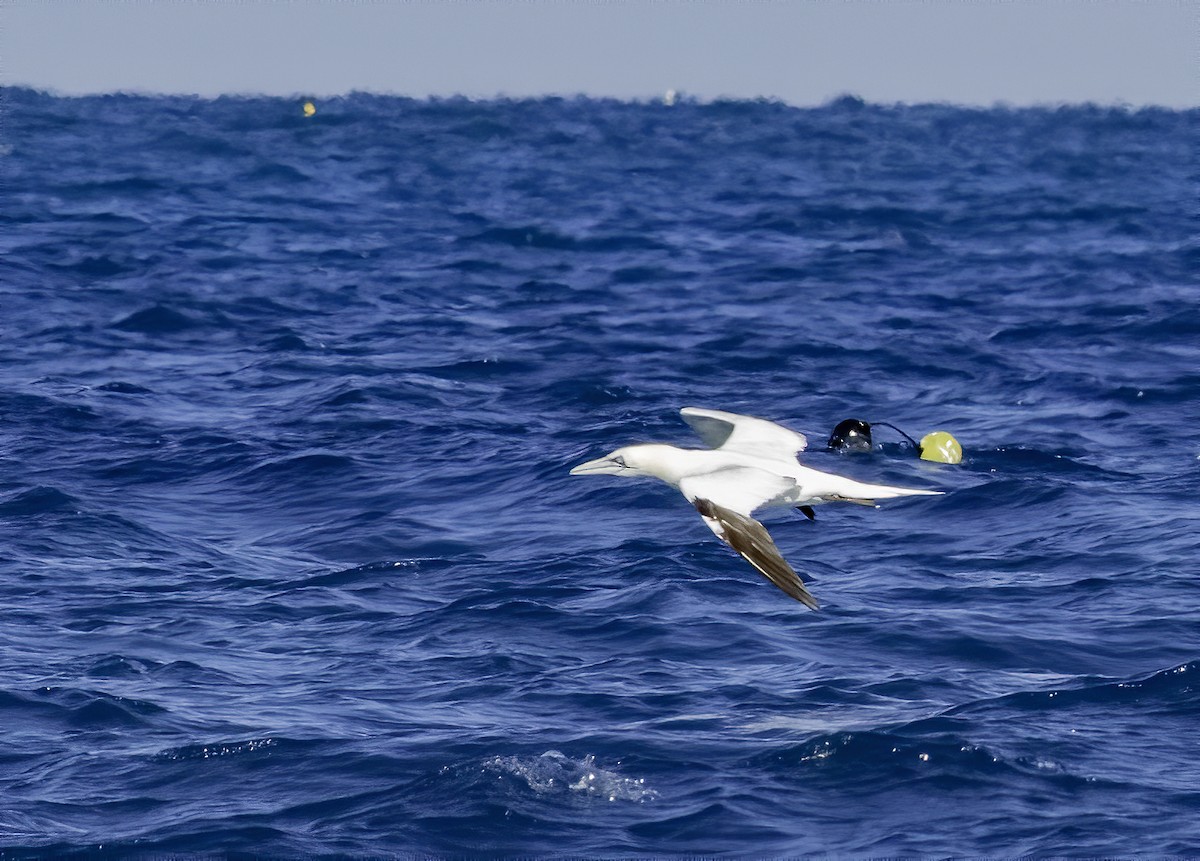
(741, 489)
(744, 434)
(752, 541)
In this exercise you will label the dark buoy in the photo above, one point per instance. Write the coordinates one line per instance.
(850, 435)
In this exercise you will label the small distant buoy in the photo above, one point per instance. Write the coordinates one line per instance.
(940, 447)
(309, 109)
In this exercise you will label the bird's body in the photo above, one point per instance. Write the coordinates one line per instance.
(752, 464)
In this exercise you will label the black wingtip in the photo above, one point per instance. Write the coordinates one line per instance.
(753, 543)
(808, 601)
(807, 511)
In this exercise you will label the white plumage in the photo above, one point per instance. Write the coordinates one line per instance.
(751, 464)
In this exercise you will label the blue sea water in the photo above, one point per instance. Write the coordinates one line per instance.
(291, 563)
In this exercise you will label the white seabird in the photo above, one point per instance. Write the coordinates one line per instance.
(751, 464)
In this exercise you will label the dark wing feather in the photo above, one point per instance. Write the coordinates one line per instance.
(752, 541)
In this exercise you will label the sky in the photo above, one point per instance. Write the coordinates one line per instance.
(804, 52)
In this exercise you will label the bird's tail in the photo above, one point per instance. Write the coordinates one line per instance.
(860, 493)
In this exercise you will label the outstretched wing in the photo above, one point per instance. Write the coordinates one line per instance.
(744, 434)
(752, 541)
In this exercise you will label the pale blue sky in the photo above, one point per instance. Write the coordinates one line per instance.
(1135, 52)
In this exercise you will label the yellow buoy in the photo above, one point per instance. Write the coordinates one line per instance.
(940, 447)
(309, 109)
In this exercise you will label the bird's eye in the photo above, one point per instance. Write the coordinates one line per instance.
(619, 461)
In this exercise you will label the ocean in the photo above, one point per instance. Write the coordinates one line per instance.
(292, 564)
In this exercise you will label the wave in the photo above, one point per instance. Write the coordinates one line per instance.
(292, 563)
(554, 773)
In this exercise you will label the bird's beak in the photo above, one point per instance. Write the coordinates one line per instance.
(600, 466)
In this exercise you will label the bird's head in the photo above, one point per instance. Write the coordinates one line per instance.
(632, 460)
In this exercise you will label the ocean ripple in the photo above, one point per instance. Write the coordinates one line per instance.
(293, 565)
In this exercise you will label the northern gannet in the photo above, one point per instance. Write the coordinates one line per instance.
(751, 464)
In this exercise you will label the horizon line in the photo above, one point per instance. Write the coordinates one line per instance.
(668, 98)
